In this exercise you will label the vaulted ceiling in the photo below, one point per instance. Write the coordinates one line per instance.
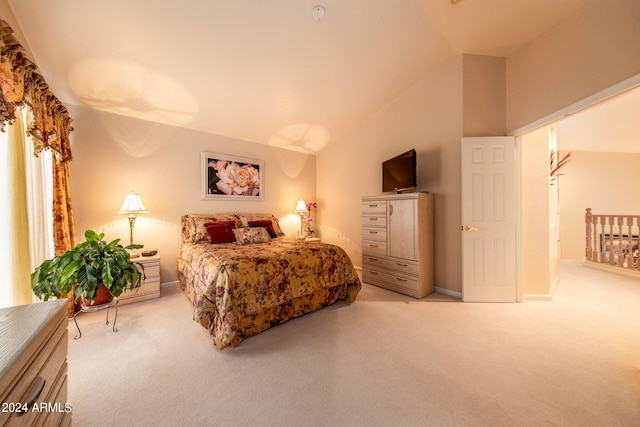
(264, 70)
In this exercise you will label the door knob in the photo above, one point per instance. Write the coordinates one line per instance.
(470, 228)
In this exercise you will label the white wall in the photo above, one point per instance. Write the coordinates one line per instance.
(427, 117)
(114, 155)
(539, 223)
(7, 14)
(465, 97)
(589, 51)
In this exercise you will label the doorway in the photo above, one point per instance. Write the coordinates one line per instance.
(596, 131)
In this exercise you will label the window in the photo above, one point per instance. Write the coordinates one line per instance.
(26, 215)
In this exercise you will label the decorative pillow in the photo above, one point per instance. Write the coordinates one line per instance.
(265, 223)
(221, 231)
(251, 235)
(193, 226)
(245, 218)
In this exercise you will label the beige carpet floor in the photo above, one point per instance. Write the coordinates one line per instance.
(385, 360)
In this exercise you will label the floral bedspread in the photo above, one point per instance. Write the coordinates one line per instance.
(241, 290)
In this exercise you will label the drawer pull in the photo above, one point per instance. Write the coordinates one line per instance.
(400, 279)
(373, 273)
(33, 395)
(373, 246)
(401, 265)
(373, 232)
(374, 259)
(373, 206)
(373, 219)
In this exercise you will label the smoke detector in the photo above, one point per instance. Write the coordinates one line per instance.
(318, 13)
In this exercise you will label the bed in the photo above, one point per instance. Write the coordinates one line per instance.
(246, 276)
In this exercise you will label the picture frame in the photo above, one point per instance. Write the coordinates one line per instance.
(229, 177)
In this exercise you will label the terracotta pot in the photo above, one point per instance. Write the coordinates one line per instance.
(102, 296)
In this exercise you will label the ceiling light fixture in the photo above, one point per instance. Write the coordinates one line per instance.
(318, 13)
(454, 1)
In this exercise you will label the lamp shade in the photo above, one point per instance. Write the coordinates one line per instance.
(132, 204)
(301, 207)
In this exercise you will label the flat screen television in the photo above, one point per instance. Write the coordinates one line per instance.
(399, 173)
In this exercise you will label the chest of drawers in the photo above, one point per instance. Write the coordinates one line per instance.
(150, 287)
(397, 242)
(33, 365)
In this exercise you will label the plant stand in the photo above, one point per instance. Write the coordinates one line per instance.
(91, 308)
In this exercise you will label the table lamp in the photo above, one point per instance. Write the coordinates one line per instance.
(301, 208)
(132, 206)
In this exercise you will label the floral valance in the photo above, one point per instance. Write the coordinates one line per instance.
(21, 83)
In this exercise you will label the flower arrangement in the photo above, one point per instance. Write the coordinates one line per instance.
(556, 163)
(307, 219)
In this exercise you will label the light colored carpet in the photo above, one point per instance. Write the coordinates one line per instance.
(385, 360)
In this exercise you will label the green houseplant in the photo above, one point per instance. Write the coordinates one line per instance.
(88, 265)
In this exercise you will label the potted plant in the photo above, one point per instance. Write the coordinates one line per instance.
(91, 267)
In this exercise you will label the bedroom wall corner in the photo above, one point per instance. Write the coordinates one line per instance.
(6, 13)
(427, 117)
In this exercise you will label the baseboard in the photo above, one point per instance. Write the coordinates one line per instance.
(449, 292)
(538, 297)
(358, 272)
(542, 297)
(169, 284)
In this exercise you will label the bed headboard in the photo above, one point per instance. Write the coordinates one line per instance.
(194, 231)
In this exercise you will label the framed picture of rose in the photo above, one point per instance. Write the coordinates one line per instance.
(229, 177)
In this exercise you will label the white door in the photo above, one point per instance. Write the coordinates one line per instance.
(488, 219)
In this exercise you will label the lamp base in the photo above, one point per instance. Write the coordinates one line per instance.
(133, 254)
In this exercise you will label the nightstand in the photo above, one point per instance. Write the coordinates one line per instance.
(150, 287)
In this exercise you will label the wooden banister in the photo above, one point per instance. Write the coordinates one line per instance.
(612, 239)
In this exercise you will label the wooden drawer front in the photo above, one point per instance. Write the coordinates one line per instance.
(404, 284)
(148, 286)
(50, 365)
(374, 248)
(374, 221)
(151, 272)
(56, 418)
(374, 234)
(374, 208)
(407, 268)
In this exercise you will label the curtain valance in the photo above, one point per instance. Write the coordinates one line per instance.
(20, 83)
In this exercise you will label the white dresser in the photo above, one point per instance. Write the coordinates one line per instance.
(33, 365)
(397, 242)
(150, 287)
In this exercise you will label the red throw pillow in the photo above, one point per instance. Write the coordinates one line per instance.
(266, 223)
(221, 232)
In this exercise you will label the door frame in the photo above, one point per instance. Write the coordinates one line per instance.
(519, 220)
